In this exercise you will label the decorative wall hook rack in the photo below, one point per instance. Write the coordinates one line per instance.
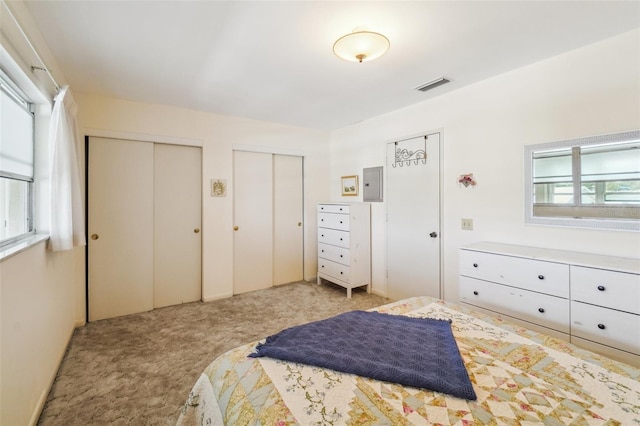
(412, 151)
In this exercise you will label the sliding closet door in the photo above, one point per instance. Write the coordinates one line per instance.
(120, 222)
(177, 218)
(253, 221)
(268, 231)
(287, 219)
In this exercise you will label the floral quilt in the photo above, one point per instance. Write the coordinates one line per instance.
(520, 378)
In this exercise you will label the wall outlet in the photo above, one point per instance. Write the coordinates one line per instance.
(467, 224)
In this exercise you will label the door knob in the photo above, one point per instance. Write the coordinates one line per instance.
(95, 236)
(196, 230)
(235, 228)
(433, 234)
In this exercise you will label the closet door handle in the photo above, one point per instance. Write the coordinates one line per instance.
(601, 326)
(235, 228)
(197, 230)
(95, 236)
(601, 288)
(541, 310)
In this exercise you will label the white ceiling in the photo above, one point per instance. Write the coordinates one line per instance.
(273, 60)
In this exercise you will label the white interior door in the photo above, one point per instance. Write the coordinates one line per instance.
(177, 222)
(253, 221)
(120, 222)
(413, 218)
(287, 219)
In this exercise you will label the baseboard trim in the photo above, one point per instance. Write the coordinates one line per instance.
(45, 392)
(217, 297)
(378, 293)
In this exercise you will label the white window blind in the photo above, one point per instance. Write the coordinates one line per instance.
(16, 134)
(16, 162)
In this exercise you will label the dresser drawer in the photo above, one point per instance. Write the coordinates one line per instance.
(534, 275)
(333, 221)
(617, 290)
(619, 330)
(333, 237)
(541, 309)
(333, 208)
(334, 253)
(333, 269)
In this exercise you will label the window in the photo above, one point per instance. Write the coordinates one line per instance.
(16, 162)
(589, 182)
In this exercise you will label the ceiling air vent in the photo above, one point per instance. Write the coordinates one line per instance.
(432, 84)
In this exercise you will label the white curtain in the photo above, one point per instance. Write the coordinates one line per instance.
(67, 207)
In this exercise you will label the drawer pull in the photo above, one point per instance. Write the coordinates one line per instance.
(601, 287)
(341, 256)
(475, 293)
(475, 265)
(541, 277)
(322, 235)
(601, 326)
(341, 272)
(341, 222)
(322, 250)
(541, 310)
(340, 208)
(340, 239)
(321, 220)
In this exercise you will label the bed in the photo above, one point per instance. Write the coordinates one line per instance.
(520, 377)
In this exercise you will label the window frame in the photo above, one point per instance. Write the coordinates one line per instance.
(11, 89)
(568, 215)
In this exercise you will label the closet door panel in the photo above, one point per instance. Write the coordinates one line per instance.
(177, 223)
(287, 219)
(120, 222)
(253, 221)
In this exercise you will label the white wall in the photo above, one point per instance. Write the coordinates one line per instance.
(218, 136)
(37, 287)
(36, 314)
(588, 91)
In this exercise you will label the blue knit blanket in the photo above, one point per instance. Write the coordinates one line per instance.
(417, 352)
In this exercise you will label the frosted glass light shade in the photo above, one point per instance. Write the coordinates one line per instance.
(360, 46)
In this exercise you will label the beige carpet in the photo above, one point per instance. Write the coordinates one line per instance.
(138, 369)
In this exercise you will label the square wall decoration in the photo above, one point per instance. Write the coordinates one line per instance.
(349, 185)
(218, 187)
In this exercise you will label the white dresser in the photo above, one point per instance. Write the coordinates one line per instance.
(590, 300)
(344, 245)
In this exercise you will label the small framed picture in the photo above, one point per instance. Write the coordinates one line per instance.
(349, 185)
(218, 187)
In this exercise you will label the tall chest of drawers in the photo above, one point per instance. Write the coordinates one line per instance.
(344, 245)
(591, 300)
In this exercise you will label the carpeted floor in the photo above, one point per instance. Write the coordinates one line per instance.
(138, 369)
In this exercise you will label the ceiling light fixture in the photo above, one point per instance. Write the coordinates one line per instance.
(361, 45)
